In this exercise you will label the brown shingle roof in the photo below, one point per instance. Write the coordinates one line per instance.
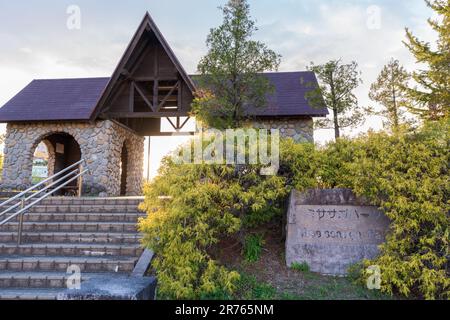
(75, 99)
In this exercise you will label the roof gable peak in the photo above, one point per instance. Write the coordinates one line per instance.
(133, 56)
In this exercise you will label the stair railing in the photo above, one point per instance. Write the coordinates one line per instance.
(73, 172)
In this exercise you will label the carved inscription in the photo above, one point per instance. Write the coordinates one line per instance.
(332, 237)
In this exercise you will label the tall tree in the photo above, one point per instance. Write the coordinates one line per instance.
(432, 92)
(388, 91)
(337, 81)
(230, 72)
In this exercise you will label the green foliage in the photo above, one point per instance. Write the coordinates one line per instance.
(317, 288)
(302, 267)
(408, 178)
(337, 83)
(191, 208)
(230, 71)
(406, 175)
(247, 288)
(389, 92)
(253, 246)
(432, 93)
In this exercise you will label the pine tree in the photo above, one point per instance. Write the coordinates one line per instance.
(388, 91)
(337, 81)
(431, 95)
(230, 72)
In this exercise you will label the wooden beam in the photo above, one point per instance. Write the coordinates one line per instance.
(185, 122)
(142, 94)
(142, 55)
(163, 102)
(113, 98)
(179, 125)
(145, 115)
(156, 95)
(180, 97)
(172, 124)
(142, 79)
(131, 109)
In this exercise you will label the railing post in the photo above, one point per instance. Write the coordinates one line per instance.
(80, 181)
(20, 227)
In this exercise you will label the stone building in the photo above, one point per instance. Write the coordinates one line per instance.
(104, 120)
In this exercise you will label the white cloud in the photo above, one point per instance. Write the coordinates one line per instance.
(317, 32)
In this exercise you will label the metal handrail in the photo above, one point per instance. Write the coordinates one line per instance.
(23, 208)
(41, 183)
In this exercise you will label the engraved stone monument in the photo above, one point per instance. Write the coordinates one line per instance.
(332, 229)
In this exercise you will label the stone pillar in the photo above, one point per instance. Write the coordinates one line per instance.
(51, 157)
(118, 137)
(18, 158)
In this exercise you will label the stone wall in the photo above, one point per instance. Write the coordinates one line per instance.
(101, 145)
(299, 129)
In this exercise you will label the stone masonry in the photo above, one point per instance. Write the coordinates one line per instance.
(299, 129)
(101, 146)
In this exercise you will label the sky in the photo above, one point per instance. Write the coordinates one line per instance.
(36, 42)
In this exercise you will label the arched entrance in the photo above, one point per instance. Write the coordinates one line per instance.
(123, 170)
(63, 150)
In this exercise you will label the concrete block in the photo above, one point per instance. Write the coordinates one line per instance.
(113, 288)
(332, 229)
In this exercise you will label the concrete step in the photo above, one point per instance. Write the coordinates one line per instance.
(88, 201)
(71, 237)
(64, 249)
(29, 294)
(34, 280)
(60, 263)
(108, 227)
(85, 208)
(83, 217)
(99, 235)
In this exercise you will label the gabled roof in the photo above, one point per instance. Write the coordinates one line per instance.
(289, 98)
(54, 100)
(146, 24)
(75, 99)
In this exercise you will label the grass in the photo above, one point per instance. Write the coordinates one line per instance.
(302, 267)
(253, 247)
(319, 288)
(36, 180)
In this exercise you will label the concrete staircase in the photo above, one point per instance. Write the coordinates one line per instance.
(97, 235)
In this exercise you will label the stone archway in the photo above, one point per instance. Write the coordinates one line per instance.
(128, 156)
(100, 145)
(64, 151)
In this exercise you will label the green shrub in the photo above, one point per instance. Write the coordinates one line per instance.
(253, 247)
(190, 209)
(302, 267)
(407, 176)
